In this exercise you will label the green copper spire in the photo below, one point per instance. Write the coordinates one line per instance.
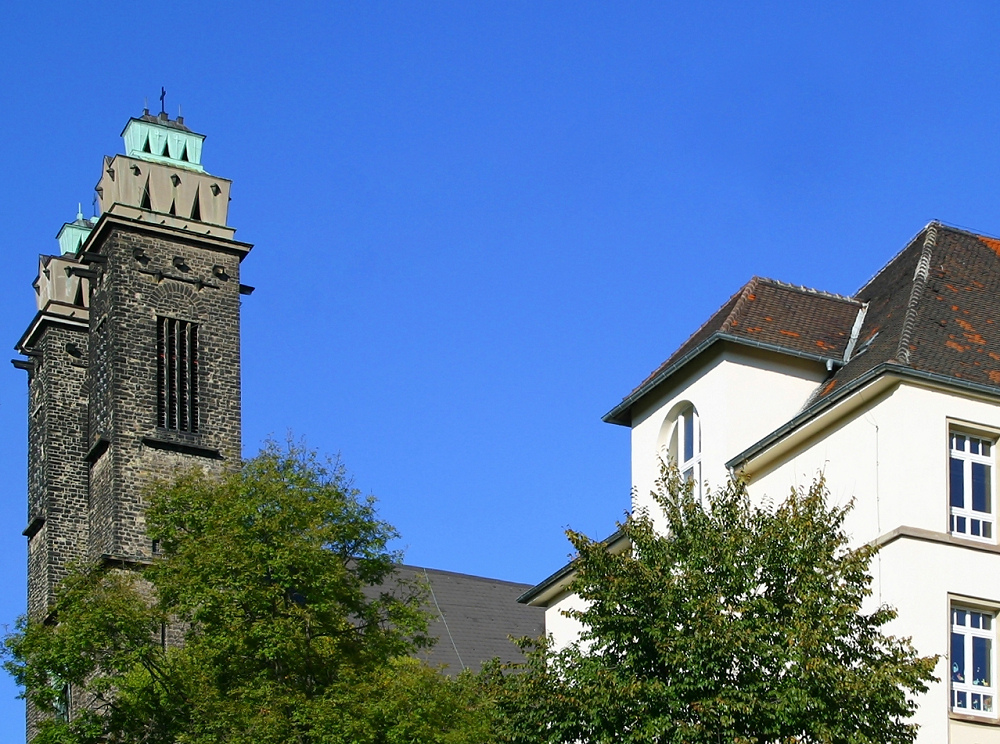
(74, 234)
(159, 139)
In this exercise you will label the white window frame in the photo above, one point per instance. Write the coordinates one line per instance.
(688, 428)
(964, 521)
(967, 696)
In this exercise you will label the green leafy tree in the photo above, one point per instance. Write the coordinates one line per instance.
(261, 620)
(737, 624)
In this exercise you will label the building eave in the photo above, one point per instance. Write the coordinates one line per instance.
(622, 413)
(880, 377)
(557, 583)
(109, 221)
(43, 317)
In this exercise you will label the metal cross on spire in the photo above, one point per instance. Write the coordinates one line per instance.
(163, 95)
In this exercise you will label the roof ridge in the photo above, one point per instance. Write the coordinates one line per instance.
(919, 282)
(964, 230)
(900, 252)
(810, 290)
(708, 320)
(746, 290)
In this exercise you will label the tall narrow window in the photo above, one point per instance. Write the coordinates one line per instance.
(177, 374)
(63, 700)
(686, 446)
(970, 487)
(973, 683)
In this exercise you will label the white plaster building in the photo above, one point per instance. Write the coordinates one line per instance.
(894, 394)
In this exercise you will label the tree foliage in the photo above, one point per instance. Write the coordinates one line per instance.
(737, 624)
(270, 578)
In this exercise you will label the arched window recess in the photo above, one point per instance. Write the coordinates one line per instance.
(681, 443)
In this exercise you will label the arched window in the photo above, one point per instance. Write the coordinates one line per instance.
(689, 447)
(682, 440)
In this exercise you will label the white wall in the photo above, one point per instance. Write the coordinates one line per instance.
(740, 395)
(564, 630)
(920, 579)
(891, 457)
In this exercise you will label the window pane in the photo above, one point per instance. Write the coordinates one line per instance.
(963, 700)
(974, 619)
(986, 448)
(960, 525)
(973, 446)
(957, 657)
(980, 487)
(688, 435)
(987, 529)
(982, 671)
(958, 617)
(957, 483)
(959, 443)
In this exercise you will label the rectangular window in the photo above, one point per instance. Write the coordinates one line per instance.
(970, 487)
(177, 374)
(64, 701)
(973, 640)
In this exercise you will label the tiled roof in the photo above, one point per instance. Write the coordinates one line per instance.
(473, 618)
(772, 314)
(934, 308)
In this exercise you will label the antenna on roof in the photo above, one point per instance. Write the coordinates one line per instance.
(145, 105)
(79, 210)
(93, 204)
(163, 96)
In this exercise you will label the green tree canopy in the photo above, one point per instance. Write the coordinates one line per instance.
(256, 622)
(738, 624)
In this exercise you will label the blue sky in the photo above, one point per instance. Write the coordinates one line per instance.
(479, 225)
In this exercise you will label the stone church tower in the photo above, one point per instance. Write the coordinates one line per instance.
(133, 358)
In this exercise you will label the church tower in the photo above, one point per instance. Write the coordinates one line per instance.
(133, 357)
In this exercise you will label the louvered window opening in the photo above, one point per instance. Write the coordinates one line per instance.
(177, 374)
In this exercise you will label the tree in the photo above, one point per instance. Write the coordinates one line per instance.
(737, 624)
(260, 620)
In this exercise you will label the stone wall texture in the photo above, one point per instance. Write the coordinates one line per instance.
(95, 442)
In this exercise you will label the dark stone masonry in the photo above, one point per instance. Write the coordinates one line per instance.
(133, 363)
(133, 358)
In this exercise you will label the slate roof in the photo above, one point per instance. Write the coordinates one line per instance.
(933, 309)
(473, 618)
